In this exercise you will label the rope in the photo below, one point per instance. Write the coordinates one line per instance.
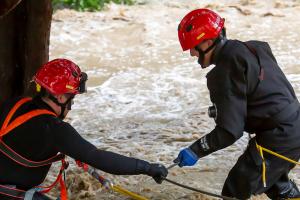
(264, 180)
(123, 191)
(198, 190)
(261, 150)
(107, 183)
(278, 155)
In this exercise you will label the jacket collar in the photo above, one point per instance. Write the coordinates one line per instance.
(217, 50)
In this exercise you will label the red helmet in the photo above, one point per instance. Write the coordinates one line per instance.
(61, 76)
(197, 26)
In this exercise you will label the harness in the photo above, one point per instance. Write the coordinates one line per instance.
(8, 126)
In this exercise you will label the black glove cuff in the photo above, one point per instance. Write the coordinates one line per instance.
(142, 167)
(200, 147)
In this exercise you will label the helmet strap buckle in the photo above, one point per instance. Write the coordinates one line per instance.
(202, 53)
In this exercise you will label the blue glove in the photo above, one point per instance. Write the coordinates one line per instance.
(186, 157)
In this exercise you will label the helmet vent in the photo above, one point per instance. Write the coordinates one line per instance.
(74, 74)
(189, 28)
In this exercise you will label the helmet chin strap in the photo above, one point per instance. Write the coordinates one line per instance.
(63, 106)
(202, 53)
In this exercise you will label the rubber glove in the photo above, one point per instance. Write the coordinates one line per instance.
(157, 171)
(186, 157)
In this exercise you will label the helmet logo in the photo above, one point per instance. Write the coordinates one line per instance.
(70, 87)
(200, 36)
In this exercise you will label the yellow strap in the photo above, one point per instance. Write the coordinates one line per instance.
(280, 156)
(261, 149)
(121, 190)
(263, 165)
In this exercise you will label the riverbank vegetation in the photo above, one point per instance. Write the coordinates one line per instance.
(87, 5)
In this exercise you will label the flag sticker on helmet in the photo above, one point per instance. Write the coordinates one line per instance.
(69, 87)
(200, 36)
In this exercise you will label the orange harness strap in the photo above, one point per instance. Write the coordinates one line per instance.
(22, 119)
(8, 126)
(63, 189)
(13, 110)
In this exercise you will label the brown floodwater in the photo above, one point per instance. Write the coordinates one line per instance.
(147, 98)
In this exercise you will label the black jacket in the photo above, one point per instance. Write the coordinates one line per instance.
(244, 102)
(43, 137)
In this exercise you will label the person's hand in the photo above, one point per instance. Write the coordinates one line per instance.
(186, 157)
(157, 171)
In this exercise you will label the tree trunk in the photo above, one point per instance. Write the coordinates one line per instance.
(24, 45)
(7, 5)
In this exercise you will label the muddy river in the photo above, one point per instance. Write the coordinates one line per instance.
(148, 99)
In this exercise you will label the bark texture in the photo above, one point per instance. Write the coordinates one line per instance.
(24, 44)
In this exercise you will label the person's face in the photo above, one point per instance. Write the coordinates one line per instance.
(63, 99)
(204, 59)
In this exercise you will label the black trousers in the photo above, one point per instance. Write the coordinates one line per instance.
(245, 178)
